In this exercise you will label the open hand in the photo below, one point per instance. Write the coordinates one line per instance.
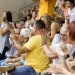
(13, 37)
(20, 38)
(4, 18)
(58, 69)
(44, 35)
(63, 47)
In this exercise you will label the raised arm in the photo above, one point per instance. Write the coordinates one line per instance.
(3, 31)
(9, 25)
(21, 49)
(53, 31)
(51, 54)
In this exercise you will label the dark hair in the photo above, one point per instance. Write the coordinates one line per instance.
(28, 11)
(9, 16)
(71, 1)
(29, 15)
(21, 19)
(74, 54)
(71, 29)
(35, 12)
(39, 24)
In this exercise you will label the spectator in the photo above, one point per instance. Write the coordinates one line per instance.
(59, 14)
(16, 58)
(71, 40)
(21, 22)
(71, 11)
(36, 60)
(12, 50)
(46, 6)
(52, 28)
(53, 52)
(27, 24)
(4, 34)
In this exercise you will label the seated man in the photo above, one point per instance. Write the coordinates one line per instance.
(35, 61)
(18, 59)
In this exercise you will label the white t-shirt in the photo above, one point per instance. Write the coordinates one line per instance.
(71, 14)
(71, 49)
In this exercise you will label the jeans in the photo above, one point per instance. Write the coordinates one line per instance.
(23, 70)
(2, 61)
(2, 56)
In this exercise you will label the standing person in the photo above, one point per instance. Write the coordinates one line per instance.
(46, 6)
(58, 1)
(35, 61)
(4, 34)
(71, 11)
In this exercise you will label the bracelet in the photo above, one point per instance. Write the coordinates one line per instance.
(43, 43)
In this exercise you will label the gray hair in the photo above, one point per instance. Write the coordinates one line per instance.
(63, 28)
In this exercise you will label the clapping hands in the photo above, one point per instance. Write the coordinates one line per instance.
(13, 37)
(4, 18)
(44, 35)
(58, 69)
(63, 47)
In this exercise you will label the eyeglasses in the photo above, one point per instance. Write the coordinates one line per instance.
(63, 35)
(17, 33)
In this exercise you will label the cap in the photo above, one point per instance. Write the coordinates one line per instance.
(25, 32)
(21, 19)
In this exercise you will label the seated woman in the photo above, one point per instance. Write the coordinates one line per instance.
(52, 28)
(71, 63)
(59, 13)
(59, 51)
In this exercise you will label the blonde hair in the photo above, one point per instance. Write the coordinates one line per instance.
(49, 20)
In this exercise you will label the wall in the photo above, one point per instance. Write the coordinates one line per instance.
(13, 6)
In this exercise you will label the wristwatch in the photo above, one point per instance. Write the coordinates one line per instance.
(43, 43)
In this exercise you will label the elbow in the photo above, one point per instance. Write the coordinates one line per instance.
(2, 34)
(51, 38)
(20, 52)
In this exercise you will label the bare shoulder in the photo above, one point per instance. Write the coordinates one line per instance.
(54, 24)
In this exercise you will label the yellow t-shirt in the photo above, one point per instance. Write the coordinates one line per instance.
(35, 57)
(46, 7)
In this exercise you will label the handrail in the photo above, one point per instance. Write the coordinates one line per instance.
(27, 6)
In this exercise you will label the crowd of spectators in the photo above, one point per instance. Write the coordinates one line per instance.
(37, 43)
